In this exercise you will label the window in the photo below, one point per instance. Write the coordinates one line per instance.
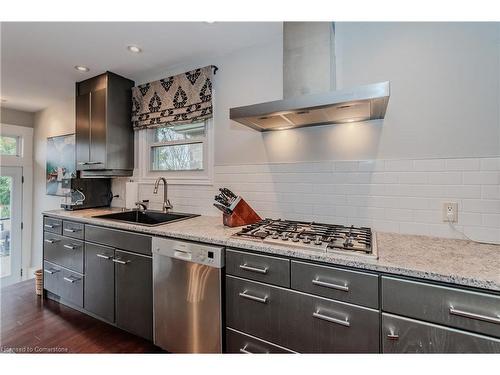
(179, 148)
(9, 145)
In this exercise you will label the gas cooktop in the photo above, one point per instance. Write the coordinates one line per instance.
(313, 236)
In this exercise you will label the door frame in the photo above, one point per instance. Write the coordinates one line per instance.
(25, 161)
(16, 208)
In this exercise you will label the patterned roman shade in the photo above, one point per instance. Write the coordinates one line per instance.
(180, 99)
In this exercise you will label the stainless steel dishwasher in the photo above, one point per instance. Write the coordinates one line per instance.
(187, 279)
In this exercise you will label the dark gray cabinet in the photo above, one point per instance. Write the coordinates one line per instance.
(134, 293)
(268, 269)
(100, 278)
(299, 321)
(464, 309)
(240, 343)
(104, 134)
(403, 335)
(100, 281)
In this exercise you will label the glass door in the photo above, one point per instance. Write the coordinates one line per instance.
(10, 224)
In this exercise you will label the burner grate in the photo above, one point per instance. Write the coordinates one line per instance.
(329, 236)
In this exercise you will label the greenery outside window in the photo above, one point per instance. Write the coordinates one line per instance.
(179, 148)
(9, 145)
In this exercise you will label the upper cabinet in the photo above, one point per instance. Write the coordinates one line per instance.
(104, 134)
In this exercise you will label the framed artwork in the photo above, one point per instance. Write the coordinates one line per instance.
(61, 165)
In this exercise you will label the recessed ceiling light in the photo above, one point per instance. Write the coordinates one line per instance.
(134, 49)
(81, 68)
(209, 21)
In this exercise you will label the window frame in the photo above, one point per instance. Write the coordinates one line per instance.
(144, 156)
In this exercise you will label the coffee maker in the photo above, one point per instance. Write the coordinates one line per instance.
(87, 193)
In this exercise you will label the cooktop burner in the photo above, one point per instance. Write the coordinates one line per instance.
(313, 236)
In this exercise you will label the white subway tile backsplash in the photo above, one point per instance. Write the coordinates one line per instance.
(471, 164)
(490, 164)
(349, 166)
(403, 196)
(445, 178)
(490, 192)
(482, 178)
(430, 165)
(399, 165)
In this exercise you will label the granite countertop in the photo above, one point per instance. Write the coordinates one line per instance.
(448, 260)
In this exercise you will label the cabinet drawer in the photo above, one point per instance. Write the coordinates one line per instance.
(256, 309)
(64, 251)
(73, 229)
(344, 285)
(298, 321)
(52, 225)
(119, 239)
(403, 335)
(237, 342)
(320, 325)
(51, 277)
(263, 268)
(71, 287)
(472, 311)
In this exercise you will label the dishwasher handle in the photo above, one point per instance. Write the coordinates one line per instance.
(182, 254)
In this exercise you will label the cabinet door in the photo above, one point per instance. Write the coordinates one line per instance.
(82, 131)
(404, 335)
(134, 293)
(97, 129)
(100, 281)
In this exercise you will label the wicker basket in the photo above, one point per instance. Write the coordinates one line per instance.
(38, 282)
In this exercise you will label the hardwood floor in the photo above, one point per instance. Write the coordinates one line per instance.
(32, 325)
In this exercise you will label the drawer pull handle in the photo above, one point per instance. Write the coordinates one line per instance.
(89, 162)
(343, 288)
(51, 241)
(246, 267)
(393, 336)
(70, 230)
(244, 350)
(71, 247)
(484, 318)
(70, 279)
(330, 319)
(253, 298)
(103, 256)
(119, 261)
(51, 226)
(51, 271)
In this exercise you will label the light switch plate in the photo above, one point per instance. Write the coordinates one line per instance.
(450, 212)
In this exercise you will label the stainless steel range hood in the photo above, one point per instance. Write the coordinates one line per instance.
(335, 107)
(309, 66)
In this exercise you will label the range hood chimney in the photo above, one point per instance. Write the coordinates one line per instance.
(309, 83)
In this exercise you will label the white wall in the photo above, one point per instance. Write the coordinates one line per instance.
(445, 95)
(58, 119)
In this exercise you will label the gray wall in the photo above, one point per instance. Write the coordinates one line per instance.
(56, 120)
(15, 117)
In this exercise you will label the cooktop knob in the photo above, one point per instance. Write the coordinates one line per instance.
(295, 237)
(318, 241)
(275, 235)
(284, 236)
(306, 239)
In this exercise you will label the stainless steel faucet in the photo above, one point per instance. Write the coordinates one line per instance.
(166, 203)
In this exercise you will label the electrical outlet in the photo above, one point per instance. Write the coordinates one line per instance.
(450, 212)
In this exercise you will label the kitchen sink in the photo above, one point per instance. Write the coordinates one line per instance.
(147, 218)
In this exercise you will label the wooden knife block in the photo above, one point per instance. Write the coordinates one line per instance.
(242, 214)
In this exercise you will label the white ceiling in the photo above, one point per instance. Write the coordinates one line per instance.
(37, 59)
